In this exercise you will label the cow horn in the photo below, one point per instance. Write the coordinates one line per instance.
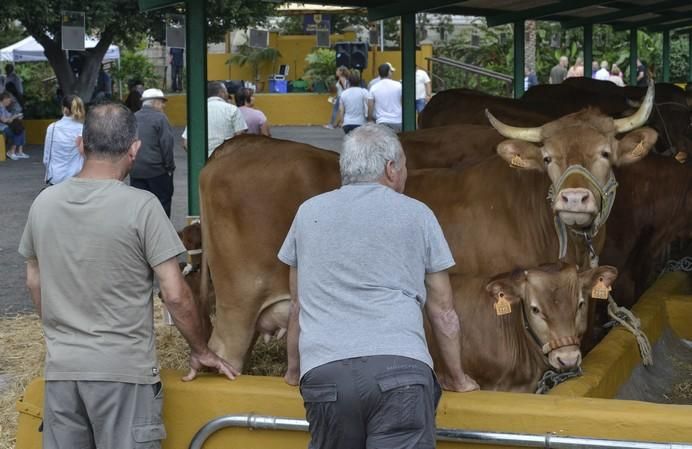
(513, 132)
(634, 121)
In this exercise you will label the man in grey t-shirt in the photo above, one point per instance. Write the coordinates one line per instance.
(93, 246)
(366, 261)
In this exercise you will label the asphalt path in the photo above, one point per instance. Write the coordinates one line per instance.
(21, 181)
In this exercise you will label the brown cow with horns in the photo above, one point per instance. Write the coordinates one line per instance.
(251, 190)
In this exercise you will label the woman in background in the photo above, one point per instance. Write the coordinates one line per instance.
(353, 106)
(254, 118)
(61, 155)
(342, 74)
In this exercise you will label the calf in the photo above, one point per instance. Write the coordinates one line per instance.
(517, 325)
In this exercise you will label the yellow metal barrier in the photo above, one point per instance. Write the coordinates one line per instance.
(188, 406)
(3, 149)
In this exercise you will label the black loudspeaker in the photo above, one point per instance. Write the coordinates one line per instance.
(359, 55)
(353, 55)
(343, 54)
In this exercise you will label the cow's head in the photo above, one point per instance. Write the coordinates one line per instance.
(578, 152)
(191, 236)
(552, 302)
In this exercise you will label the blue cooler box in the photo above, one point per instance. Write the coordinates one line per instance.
(278, 86)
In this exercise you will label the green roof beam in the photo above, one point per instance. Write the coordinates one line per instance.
(663, 18)
(541, 11)
(625, 12)
(673, 25)
(588, 49)
(633, 56)
(195, 31)
(519, 62)
(689, 58)
(408, 75)
(464, 11)
(148, 5)
(681, 32)
(404, 7)
(666, 56)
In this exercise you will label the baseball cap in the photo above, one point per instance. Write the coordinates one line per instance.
(153, 94)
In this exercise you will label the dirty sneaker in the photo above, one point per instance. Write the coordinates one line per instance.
(12, 156)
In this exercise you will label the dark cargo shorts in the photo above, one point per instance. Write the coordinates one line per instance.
(374, 402)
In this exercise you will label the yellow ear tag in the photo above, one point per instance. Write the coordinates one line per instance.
(639, 149)
(600, 290)
(502, 306)
(517, 161)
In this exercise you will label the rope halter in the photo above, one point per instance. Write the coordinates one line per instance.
(607, 197)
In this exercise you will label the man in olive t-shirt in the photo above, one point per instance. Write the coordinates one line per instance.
(93, 245)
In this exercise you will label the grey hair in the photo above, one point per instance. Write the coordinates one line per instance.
(149, 102)
(109, 131)
(366, 151)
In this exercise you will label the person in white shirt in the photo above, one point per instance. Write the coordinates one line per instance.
(353, 107)
(423, 89)
(603, 73)
(377, 79)
(61, 155)
(224, 120)
(385, 100)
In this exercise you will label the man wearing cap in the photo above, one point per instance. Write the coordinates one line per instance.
(154, 165)
(385, 100)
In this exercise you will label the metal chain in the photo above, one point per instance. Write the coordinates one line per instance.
(552, 379)
(684, 264)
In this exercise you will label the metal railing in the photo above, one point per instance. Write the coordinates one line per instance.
(453, 435)
(470, 68)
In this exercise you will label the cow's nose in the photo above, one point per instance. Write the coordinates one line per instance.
(575, 197)
(569, 359)
(576, 200)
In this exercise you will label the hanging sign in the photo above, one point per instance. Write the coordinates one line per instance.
(72, 30)
(175, 31)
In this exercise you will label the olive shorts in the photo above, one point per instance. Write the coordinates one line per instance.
(104, 415)
(376, 402)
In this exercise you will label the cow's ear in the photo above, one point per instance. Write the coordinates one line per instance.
(599, 277)
(503, 293)
(634, 146)
(521, 154)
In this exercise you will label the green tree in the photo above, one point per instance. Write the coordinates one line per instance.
(10, 33)
(255, 57)
(135, 66)
(321, 68)
(118, 21)
(494, 52)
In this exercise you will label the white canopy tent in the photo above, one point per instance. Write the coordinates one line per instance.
(28, 50)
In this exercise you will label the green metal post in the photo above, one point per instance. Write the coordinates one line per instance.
(196, 100)
(666, 56)
(408, 72)
(689, 58)
(588, 49)
(519, 58)
(633, 56)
